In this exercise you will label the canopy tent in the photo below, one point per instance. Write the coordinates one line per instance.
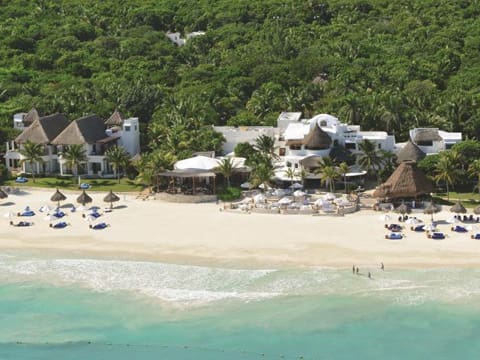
(197, 163)
(406, 181)
(193, 174)
(403, 209)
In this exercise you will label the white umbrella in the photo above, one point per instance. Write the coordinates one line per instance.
(413, 221)
(299, 193)
(247, 200)
(264, 186)
(45, 208)
(329, 196)
(384, 217)
(341, 202)
(259, 198)
(430, 227)
(90, 218)
(50, 218)
(285, 201)
(296, 186)
(319, 202)
(246, 185)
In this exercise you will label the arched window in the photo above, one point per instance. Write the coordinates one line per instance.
(323, 123)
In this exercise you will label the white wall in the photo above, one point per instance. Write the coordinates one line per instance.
(130, 137)
(236, 135)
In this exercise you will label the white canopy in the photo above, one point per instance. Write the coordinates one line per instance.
(259, 198)
(198, 163)
(296, 186)
(299, 193)
(285, 201)
(246, 185)
(413, 221)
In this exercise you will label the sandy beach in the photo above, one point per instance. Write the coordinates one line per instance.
(201, 234)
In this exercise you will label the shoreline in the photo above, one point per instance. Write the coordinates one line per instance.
(200, 234)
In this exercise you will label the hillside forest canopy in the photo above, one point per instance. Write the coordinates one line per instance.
(386, 65)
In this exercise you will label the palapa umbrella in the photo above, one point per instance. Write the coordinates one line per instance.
(432, 209)
(57, 197)
(84, 198)
(111, 198)
(477, 210)
(458, 208)
(3, 194)
(403, 209)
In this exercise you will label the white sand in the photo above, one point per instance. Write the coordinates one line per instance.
(201, 234)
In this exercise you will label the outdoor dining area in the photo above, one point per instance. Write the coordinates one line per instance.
(294, 200)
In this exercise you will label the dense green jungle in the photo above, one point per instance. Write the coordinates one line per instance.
(386, 65)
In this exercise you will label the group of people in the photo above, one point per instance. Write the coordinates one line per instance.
(356, 270)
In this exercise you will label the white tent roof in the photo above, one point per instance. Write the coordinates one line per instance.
(197, 163)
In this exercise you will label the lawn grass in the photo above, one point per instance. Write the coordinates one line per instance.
(125, 185)
(468, 199)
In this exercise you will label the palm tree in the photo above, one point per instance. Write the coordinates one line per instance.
(343, 170)
(262, 174)
(290, 173)
(446, 170)
(118, 157)
(265, 145)
(328, 176)
(474, 170)
(226, 167)
(75, 155)
(369, 159)
(32, 155)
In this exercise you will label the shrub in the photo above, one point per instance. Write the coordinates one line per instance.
(229, 194)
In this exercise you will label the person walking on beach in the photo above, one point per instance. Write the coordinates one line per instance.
(357, 270)
(382, 266)
(353, 269)
(369, 275)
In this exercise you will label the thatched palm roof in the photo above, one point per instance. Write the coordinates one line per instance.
(427, 135)
(410, 152)
(432, 209)
(57, 197)
(311, 161)
(84, 198)
(477, 210)
(403, 209)
(111, 198)
(406, 181)
(317, 139)
(3, 194)
(116, 119)
(86, 130)
(31, 116)
(458, 208)
(43, 130)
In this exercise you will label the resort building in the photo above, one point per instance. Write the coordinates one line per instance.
(56, 133)
(242, 134)
(433, 141)
(176, 37)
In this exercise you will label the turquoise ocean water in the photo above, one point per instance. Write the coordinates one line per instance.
(68, 308)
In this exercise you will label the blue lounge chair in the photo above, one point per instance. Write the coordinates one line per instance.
(418, 228)
(99, 226)
(476, 236)
(394, 236)
(59, 225)
(437, 236)
(27, 213)
(59, 214)
(21, 180)
(458, 228)
(84, 186)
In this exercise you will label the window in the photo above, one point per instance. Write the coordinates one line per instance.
(126, 128)
(379, 145)
(135, 127)
(289, 164)
(350, 146)
(282, 151)
(296, 165)
(323, 123)
(295, 147)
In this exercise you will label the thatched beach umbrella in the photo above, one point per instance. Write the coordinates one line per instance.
(84, 198)
(477, 210)
(57, 197)
(406, 181)
(3, 194)
(403, 209)
(458, 208)
(432, 209)
(111, 198)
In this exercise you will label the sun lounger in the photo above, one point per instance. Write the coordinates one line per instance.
(394, 227)
(458, 228)
(22, 223)
(58, 214)
(437, 236)
(476, 236)
(394, 236)
(418, 228)
(59, 225)
(26, 213)
(99, 226)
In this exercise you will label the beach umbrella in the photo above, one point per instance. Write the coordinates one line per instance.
(285, 201)
(319, 202)
(403, 209)
(329, 196)
(111, 198)
(430, 227)
(296, 186)
(384, 217)
(246, 185)
(432, 209)
(458, 208)
(299, 193)
(45, 208)
(477, 210)
(259, 198)
(452, 220)
(57, 197)
(3, 194)
(413, 221)
(9, 215)
(84, 198)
